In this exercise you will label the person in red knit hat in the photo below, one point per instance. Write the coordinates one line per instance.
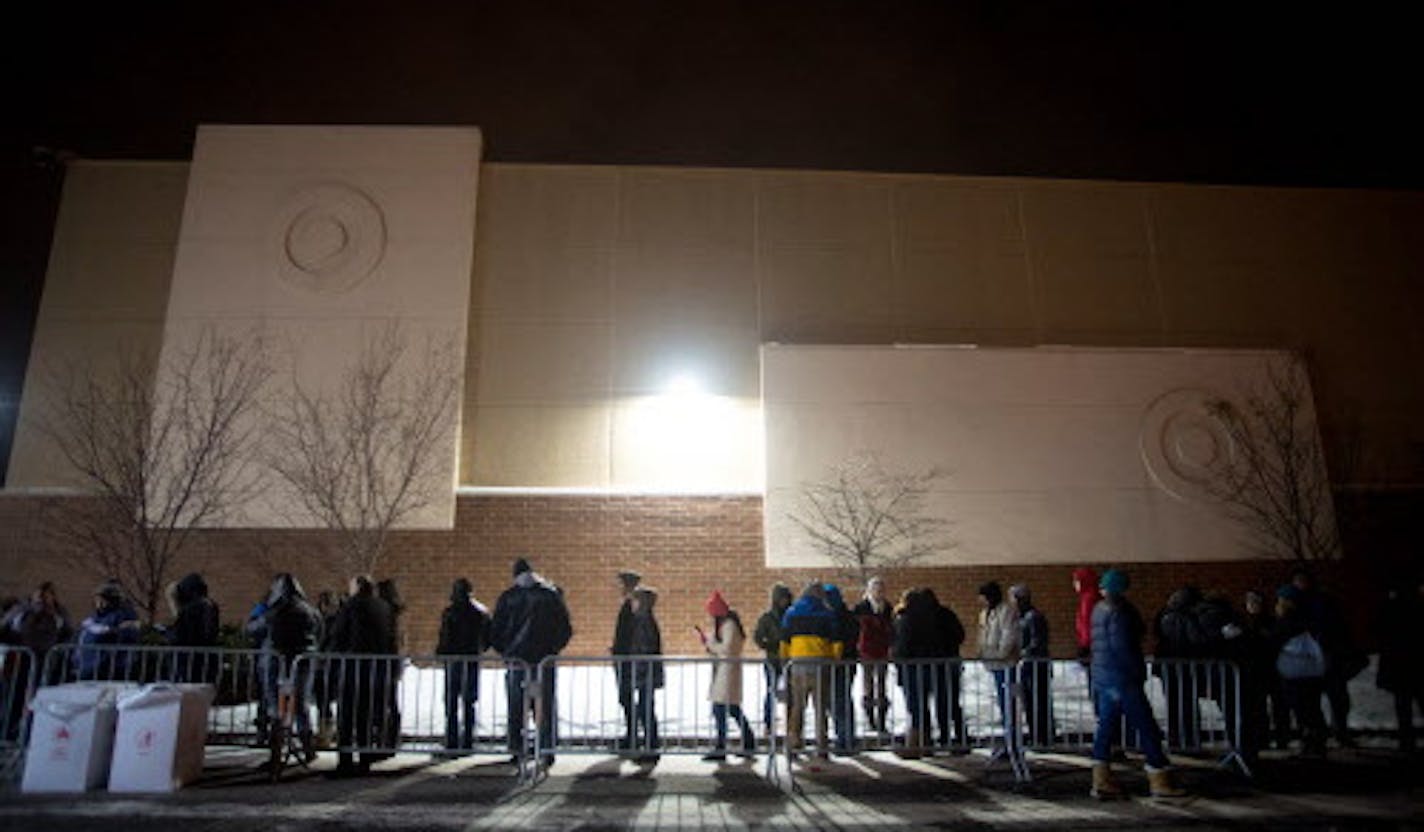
(725, 642)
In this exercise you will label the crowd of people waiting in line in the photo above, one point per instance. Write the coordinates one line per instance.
(1290, 653)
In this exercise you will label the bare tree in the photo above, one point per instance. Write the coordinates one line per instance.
(159, 447)
(1274, 481)
(361, 457)
(866, 519)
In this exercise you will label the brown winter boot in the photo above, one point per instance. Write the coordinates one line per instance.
(1104, 787)
(1159, 783)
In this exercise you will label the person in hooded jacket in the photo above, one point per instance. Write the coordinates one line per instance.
(1344, 659)
(946, 675)
(842, 704)
(916, 642)
(112, 626)
(530, 623)
(1181, 637)
(1301, 661)
(37, 624)
(1085, 586)
(1118, 675)
(1036, 674)
(877, 633)
(363, 628)
(1401, 659)
(768, 637)
(809, 633)
(292, 627)
(628, 581)
(644, 676)
(999, 649)
(464, 635)
(725, 643)
(195, 626)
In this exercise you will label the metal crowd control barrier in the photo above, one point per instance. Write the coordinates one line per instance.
(381, 705)
(238, 716)
(18, 670)
(642, 707)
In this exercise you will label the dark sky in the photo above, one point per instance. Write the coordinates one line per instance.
(1240, 92)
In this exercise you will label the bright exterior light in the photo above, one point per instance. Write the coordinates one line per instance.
(684, 384)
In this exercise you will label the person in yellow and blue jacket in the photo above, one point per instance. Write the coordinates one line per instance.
(810, 633)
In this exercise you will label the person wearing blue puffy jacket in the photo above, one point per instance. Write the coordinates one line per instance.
(113, 625)
(1118, 673)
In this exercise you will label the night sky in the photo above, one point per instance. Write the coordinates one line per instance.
(1242, 92)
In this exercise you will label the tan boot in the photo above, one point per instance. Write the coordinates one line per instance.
(1159, 782)
(1104, 787)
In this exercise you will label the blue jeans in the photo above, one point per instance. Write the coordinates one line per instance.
(720, 711)
(1005, 678)
(1129, 703)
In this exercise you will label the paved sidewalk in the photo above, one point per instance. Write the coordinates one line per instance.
(1356, 789)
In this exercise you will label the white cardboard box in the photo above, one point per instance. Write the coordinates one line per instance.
(72, 737)
(158, 744)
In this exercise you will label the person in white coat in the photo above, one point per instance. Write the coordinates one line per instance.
(725, 642)
(999, 649)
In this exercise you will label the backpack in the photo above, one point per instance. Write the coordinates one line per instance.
(1301, 658)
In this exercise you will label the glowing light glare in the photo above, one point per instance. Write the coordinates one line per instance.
(684, 384)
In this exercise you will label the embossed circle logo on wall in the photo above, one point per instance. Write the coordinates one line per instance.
(328, 238)
(1183, 444)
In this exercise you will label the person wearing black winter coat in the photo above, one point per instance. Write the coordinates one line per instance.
(641, 637)
(363, 627)
(531, 623)
(1301, 691)
(292, 627)
(917, 639)
(1401, 661)
(1180, 636)
(194, 626)
(464, 633)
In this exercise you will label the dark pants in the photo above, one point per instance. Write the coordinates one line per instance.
(945, 678)
(1127, 704)
(462, 692)
(843, 704)
(772, 671)
(361, 722)
(1404, 701)
(720, 712)
(635, 694)
(1302, 697)
(543, 703)
(1338, 692)
(1036, 678)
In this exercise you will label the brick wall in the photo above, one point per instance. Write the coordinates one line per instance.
(683, 546)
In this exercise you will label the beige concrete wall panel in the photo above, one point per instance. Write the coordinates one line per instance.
(797, 209)
(827, 295)
(105, 289)
(319, 235)
(684, 284)
(533, 446)
(1053, 455)
(129, 201)
(939, 214)
(542, 363)
(698, 209)
(963, 289)
(528, 282)
(548, 205)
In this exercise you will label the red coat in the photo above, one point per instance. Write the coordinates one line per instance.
(877, 631)
(1087, 598)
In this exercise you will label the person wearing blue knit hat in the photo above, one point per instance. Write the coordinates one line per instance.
(1118, 673)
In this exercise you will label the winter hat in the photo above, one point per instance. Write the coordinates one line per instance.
(1020, 593)
(1114, 581)
(460, 590)
(521, 566)
(1086, 577)
(629, 577)
(993, 592)
(1289, 592)
(716, 605)
(110, 591)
